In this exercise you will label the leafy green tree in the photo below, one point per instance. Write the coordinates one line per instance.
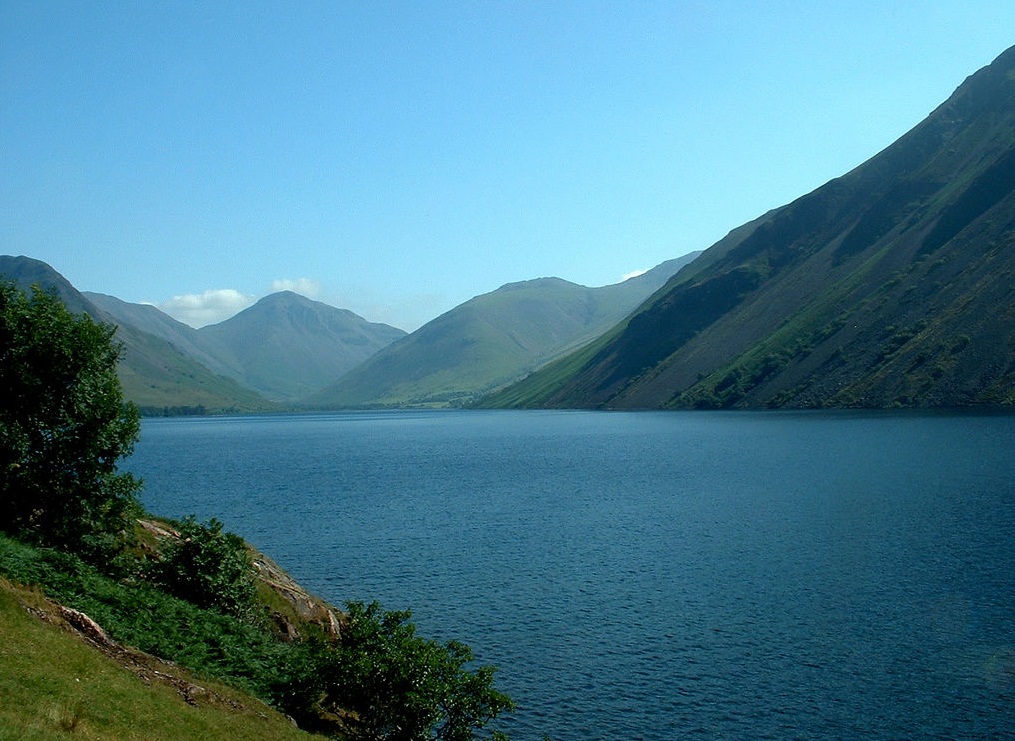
(392, 685)
(63, 427)
(207, 567)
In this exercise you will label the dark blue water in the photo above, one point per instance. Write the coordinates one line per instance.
(651, 575)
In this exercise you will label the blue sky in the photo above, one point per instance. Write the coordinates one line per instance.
(398, 158)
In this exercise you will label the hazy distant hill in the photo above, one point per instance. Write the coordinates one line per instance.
(284, 347)
(287, 346)
(181, 336)
(155, 375)
(490, 340)
(891, 285)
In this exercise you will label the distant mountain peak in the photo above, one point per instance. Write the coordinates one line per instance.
(286, 296)
(288, 346)
(536, 282)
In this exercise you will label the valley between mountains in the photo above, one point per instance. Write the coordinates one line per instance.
(890, 286)
(288, 352)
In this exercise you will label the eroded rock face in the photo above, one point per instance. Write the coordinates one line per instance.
(159, 529)
(307, 607)
(147, 668)
(86, 626)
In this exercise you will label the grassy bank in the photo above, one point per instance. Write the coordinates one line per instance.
(55, 685)
(363, 674)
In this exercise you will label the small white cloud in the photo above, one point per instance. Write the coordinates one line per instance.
(304, 286)
(633, 274)
(209, 307)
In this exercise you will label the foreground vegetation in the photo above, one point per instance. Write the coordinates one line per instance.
(377, 680)
(184, 592)
(54, 685)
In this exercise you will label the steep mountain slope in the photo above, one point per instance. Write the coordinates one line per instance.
(491, 340)
(287, 346)
(155, 375)
(889, 286)
(181, 336)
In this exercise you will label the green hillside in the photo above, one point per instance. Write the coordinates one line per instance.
(198, 629)
(155, 374)
(151, 320)
(54, 684)
(888, 286)
(490, 341)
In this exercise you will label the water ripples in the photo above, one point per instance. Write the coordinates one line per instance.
(651, 576)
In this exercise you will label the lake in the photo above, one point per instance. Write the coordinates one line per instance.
(650, 575)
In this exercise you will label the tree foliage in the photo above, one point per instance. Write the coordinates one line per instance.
(207, 567)
(388, 684)
(63, 426)
(401, 687)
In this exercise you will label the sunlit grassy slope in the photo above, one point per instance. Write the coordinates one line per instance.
(53, 686)
(490, 341)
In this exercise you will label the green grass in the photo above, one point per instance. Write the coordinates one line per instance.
(155, 639)
(145, 618)
(53, 686)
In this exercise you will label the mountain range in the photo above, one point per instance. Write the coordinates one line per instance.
(264, 358)
(284, 347)
(156, 375)
(889, 286)
(290, 352)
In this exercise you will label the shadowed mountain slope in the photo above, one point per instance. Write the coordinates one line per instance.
(489, 341)
(889, 286)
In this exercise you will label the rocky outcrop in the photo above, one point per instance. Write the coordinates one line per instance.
(149, 669)
(308, 609)
(293, 611)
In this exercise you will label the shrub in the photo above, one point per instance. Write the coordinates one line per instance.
(148, 619)
(394, 684)
(207, 567)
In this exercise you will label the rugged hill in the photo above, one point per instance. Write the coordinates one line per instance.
(155, 375)
(490, 340)
(889, 286)
(287, 346)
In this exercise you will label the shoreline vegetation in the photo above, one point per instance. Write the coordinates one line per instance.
(181, 605)
(265, 661)
(57, 682)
